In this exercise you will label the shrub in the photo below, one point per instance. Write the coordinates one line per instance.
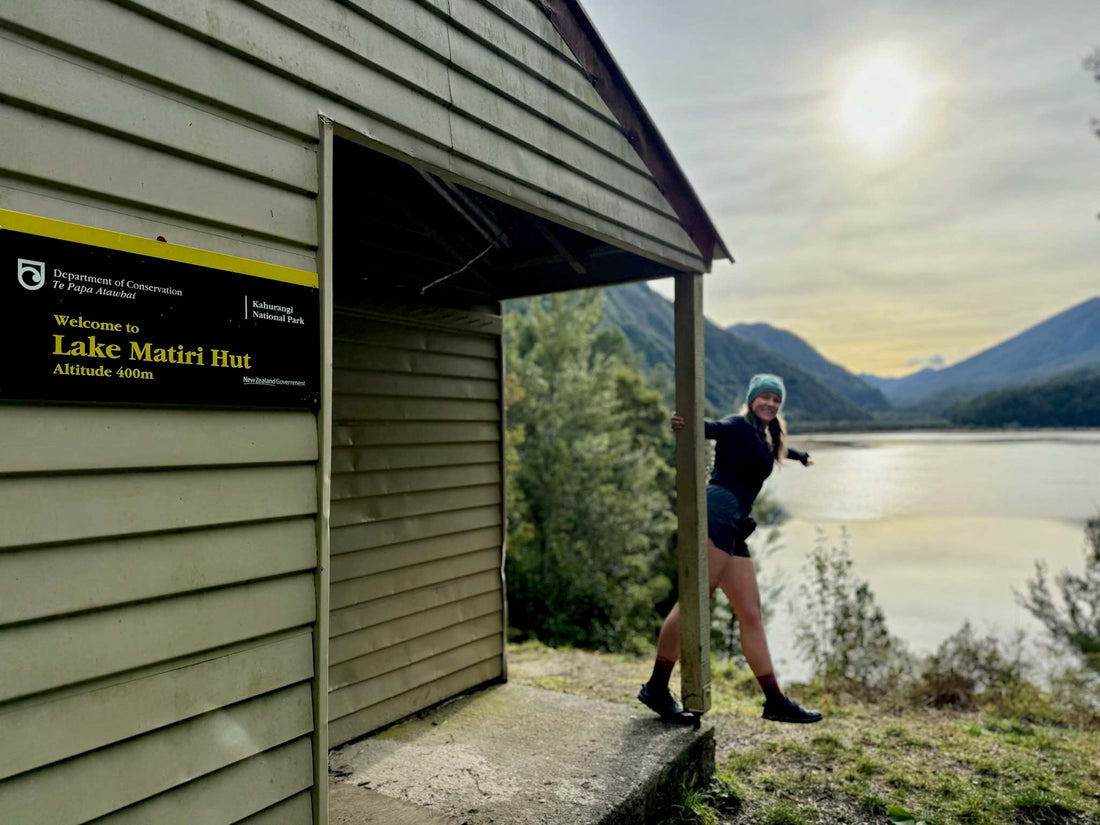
(966, 669)
(1074, 698)
(1074, 624)
(842, 630)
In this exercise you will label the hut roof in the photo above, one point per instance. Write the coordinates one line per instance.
(577, 30)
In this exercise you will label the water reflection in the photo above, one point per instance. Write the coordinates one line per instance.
(884, 477)
(942, 525)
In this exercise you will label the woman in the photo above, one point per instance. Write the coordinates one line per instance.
(747, 447)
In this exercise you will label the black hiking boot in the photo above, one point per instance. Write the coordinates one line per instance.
(664, 705)
(788, 710)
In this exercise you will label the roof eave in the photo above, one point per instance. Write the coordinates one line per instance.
(577, 30)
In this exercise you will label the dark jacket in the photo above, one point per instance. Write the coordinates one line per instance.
(742, 457)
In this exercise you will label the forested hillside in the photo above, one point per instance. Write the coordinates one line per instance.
(824, 394)
(1072, 400)
(647, 320)
(1067, 341)
(796, 349)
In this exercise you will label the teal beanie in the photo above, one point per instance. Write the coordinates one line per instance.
(765, 382)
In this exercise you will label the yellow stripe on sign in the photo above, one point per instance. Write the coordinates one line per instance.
(90, 236)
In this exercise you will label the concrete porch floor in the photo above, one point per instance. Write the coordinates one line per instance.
(516, 755)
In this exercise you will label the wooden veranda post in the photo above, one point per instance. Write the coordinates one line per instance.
(324, 476)
(691, 504)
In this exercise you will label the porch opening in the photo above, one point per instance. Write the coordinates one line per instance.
(420, 266)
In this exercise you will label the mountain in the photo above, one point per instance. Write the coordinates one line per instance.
(795, 349)
(1067, 341)
(730, 360)
(886, 385)
(1070, 400)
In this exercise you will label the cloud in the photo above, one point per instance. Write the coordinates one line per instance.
(935, 361)
(981, 224)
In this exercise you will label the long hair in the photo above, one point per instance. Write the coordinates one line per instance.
(776, 428)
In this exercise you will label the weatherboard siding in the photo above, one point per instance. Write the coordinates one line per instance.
(157, 604)
(201, 120)
(416, 600)
(142, 547)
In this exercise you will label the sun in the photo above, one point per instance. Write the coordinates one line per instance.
(880, 100)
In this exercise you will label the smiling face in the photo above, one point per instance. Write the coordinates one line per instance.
(766, 406)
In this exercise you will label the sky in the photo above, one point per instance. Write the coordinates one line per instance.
(902, 184)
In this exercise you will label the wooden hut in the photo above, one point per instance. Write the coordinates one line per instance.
(251, 471)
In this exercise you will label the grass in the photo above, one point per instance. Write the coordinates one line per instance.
(945, 767)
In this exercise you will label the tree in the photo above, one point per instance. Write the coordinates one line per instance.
(589, 511)
(1075, 623)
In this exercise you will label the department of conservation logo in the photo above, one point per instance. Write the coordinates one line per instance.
(32, 274)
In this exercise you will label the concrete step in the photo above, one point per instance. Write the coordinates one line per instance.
(516, 755)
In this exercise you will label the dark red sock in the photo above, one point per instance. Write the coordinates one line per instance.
(770, 685)
(662, 670)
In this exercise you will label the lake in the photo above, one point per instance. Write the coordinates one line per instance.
(942, 525)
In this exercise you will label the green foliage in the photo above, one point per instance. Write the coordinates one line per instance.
(967, 669)
(840, 627)
(783, 813)
(945, 767)
(899, 816)
(832, 375)
(1037, 807)
(1072, 701)
(1071, 400)
(843, 632)
(589, 517)
(705, 806)
(692, 808)
(730, 360)
(1075, 623)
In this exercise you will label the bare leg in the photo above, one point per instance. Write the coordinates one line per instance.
(668, 643)
(737, 577)
(739, 584)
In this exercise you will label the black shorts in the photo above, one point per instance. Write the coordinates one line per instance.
(725, 521)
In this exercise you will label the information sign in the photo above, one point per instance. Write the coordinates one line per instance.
(93, 316)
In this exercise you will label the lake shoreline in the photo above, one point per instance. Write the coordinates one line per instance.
(943, 525)
(823, 427)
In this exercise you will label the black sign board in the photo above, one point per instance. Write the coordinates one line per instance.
(88, 322)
